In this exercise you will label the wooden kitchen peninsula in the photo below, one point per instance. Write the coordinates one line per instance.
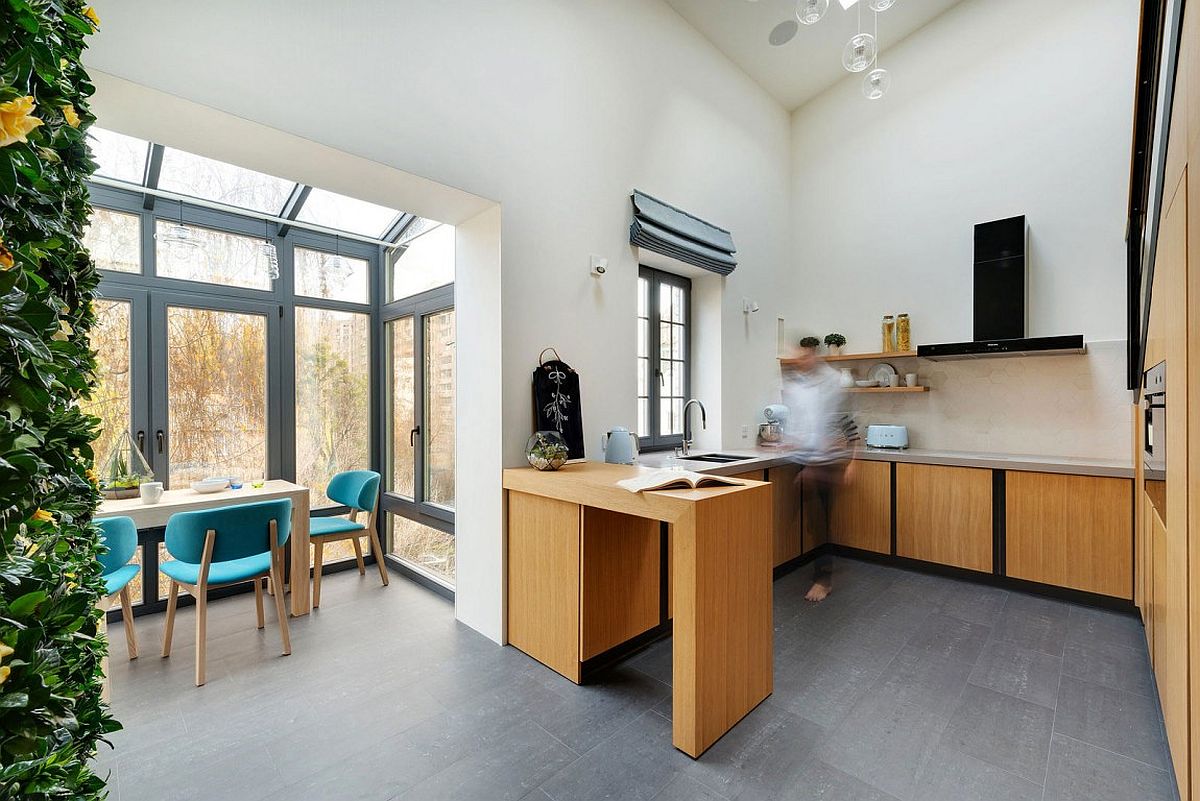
(586, 561)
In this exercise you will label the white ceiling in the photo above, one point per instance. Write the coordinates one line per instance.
(795, 72)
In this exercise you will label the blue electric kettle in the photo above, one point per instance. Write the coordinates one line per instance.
(620, 446)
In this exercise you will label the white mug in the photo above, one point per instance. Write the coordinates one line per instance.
(893, 380)
(151, 491)
(910, 379)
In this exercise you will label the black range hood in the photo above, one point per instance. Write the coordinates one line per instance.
(1000, 291)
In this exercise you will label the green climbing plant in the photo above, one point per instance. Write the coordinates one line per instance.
(52, 717)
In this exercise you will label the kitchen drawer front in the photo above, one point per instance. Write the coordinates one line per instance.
(944, 515)
(1070, 531)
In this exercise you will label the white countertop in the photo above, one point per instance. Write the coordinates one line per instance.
(763, 458)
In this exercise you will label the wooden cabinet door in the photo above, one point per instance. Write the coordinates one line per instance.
(944, 515)
(1070, 531)
(785, 503)
(543, 580)
(861, 514)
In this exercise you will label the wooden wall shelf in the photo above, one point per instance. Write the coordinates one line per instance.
(862, 357)
(887, 389)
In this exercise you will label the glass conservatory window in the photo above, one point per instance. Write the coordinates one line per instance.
(330, 276)
(114, 238)
(425, 263)
(209, 179)
(346, 213)
(119, 156)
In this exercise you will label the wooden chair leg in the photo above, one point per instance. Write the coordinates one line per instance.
(318, 558)
(281, 613)
(258, 601)
(127, 619)
(201, 634)
(378, 551)
(169, 627)
(362, 567)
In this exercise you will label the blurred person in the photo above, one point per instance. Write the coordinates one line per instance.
(822, 437)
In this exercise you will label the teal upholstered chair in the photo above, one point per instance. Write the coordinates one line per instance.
(218, 547)
(359, 490)
(118, 536)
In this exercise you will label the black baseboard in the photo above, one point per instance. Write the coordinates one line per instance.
(598, 663)
(989, 579)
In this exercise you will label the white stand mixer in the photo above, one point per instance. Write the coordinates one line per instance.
(770, 433)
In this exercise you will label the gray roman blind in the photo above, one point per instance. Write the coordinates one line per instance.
(664, 229)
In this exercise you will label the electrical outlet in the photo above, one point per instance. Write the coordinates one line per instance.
(599, 265)
(745, 432)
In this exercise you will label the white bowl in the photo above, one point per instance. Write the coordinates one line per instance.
(862, 383)
(210, 485)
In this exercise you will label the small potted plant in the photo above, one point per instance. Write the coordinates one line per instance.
(835, 342)
(810, 342)
(125, 469)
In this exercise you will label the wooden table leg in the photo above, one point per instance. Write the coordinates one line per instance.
(300, 582)
(722, 631)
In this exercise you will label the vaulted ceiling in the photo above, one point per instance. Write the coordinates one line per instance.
(812, 60)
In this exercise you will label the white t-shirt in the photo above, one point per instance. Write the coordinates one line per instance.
(819, 427)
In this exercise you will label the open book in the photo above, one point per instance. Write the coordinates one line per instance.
(675, 479)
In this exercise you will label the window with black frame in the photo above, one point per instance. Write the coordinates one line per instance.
(663, 356)
(241, 330)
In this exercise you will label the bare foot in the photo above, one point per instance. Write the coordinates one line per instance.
(820, 590)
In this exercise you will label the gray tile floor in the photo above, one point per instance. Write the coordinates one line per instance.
(900, 686)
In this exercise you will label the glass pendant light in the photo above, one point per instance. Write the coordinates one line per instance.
(876, 83)
(859, 52)
(881, 5)
(269, 253)
(809, 12)
(178, 236)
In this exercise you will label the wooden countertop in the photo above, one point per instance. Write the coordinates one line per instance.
(595, 484)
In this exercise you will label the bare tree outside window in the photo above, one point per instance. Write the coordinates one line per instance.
(333, 388)
(110, 400)
(216, 394)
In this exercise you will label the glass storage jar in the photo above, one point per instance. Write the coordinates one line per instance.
(903, 333)
(889, 333)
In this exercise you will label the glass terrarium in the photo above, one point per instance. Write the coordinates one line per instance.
(124, 469)
(546, 450)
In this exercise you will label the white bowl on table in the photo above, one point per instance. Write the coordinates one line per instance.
(208, 485)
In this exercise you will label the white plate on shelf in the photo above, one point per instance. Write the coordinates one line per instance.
(880, 374)
(210, 485)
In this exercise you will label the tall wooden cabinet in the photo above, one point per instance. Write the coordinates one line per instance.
(1167, 580)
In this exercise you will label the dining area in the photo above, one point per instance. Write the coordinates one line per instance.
(218, 536)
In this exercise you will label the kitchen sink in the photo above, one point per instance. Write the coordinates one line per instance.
(719, 458)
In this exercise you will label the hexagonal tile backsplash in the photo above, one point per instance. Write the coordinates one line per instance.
(1046, 405)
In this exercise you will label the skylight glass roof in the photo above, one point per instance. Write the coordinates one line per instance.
(125, 158)
(209, 179)
(119, 156)
(346, 213)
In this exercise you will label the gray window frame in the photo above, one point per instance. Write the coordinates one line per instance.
(656, 440)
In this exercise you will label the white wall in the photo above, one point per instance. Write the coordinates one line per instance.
(996, 109)
(556, 109)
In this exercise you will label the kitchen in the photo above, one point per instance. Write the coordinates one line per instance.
(978, 210)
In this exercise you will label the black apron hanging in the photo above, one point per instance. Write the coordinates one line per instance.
(556, 403)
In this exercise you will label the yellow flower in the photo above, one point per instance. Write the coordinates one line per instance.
(6, 257)
(4, 671)
(42, 516)
(17, 120)
(70, 115)
(92, 477)
(64, 331)
(91, 14)
(5, 650)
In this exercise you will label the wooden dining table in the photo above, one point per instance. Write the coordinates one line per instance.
(186, 500)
